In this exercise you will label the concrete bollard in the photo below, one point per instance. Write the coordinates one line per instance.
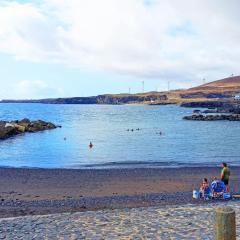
(224, 224)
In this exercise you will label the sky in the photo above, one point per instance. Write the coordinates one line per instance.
(67, 48)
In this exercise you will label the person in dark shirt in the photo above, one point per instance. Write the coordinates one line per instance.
(225, 174)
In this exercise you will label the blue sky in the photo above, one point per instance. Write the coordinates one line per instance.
(58, 48)
(67, 82)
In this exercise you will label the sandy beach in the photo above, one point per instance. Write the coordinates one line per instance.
(44, 191)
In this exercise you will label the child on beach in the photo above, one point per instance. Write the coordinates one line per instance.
(204, 189)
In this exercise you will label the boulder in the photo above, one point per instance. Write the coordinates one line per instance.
(51, 125)
(6, 132)
(24, 120)
(19, 128)
(9, 125)
(196, 111)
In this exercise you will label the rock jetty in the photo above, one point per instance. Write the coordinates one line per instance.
(12, 128)
(200, 117)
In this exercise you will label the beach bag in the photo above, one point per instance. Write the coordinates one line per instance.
(226, 196)
(195, 194)
(218, 186)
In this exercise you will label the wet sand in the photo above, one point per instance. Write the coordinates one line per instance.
(43, 191)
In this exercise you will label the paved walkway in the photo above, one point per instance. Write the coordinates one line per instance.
(179, 222)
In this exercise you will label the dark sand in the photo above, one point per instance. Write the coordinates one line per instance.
(42, 191)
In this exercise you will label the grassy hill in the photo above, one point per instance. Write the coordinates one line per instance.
(223, 89)
(222, 85)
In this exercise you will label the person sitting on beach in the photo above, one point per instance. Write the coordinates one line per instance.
(225, 173)
(218, 187)
(204, 189)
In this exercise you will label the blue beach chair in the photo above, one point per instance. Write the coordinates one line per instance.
(218, 188)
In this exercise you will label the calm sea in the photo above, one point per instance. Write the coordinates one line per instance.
(181, 143)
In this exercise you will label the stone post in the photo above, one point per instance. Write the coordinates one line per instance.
(224, 224)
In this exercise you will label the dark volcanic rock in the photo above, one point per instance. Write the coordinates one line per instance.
(202, 94)
(24, 121)
(111, 99)
(9, 129)
(232, 107)
(200, 117)
(100, 99)
(6, 132)
(196, 111)
(211, 111)
(204, 104)
(161, 103)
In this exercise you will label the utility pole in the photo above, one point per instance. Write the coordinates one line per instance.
(129, 90)
(168, 87)
(204, 80)
(142, 86)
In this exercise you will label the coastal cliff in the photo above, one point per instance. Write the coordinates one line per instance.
(100, 99)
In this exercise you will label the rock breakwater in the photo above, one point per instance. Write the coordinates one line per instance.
(12, 128)
(200, 117)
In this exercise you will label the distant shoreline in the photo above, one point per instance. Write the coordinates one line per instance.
(26, 191)
(212, 93)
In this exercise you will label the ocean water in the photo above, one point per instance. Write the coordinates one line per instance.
(182, 142)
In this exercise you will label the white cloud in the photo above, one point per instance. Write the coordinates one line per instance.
(27, 89)
(166, 39)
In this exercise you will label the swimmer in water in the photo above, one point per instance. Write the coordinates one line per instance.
(90, 145)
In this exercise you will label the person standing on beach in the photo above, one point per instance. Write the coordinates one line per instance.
(225, 174)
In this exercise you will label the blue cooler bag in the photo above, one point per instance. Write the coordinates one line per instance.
(196, 194)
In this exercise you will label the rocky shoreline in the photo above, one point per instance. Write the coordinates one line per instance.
(12, 128)
(201, 117)
(216, 110)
